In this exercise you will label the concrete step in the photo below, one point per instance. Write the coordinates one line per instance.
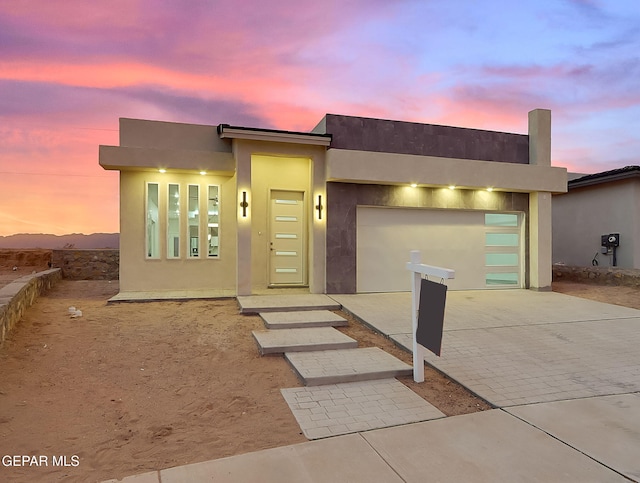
(307, 318)
(296, 340)
(345, 365)
(254, 304)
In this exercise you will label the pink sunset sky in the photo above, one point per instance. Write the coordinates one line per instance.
(69, 70)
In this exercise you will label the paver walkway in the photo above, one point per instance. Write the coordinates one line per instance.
(329, 360)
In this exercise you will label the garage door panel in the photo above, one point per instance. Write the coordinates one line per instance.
(446, 238)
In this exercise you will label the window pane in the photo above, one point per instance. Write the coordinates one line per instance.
(501, 279)
(194, 220)
(213, 220)
(501, 259)
(500, 219)
(153, 227)
(501, 239)
(173, 222)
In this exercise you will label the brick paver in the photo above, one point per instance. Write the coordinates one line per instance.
(519, 365)
(519, 347)
(334, 409)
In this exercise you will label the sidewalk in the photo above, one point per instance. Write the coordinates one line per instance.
(483, 447)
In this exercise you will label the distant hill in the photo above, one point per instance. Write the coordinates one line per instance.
(74, 240)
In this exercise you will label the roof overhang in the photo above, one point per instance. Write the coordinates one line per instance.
(225, 131)
(628, 172)
(404, 169)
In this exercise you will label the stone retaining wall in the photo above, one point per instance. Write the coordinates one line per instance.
(20, 294)
(102, 264)
(597, 275)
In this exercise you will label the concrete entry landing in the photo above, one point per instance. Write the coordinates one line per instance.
(295, 340)
(300, 319)
(253, 304)
(350, 365)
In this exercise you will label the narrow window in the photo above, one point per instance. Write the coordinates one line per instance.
(501, 259)
(194, 220)
(173, 222)
(501, 219)
(213, 221)
(153, 226)
(510, 278)
(501, 239)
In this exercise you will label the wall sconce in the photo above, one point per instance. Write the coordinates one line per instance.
(319, 207)
(244, 204)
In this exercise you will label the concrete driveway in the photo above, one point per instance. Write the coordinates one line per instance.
(515, 347)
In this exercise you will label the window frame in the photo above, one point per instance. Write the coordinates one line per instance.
(208, 222)
(198, 237)
(148, 248)
(171, 235)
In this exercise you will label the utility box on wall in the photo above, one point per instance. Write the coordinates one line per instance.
(609, 245)
(611, 240)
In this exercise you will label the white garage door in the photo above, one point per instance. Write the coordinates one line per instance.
(485, 249)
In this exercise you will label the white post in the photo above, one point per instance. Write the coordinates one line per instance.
(418, 350)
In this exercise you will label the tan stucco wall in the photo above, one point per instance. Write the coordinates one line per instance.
(274, 173)
(264, 166)
(140, 274)
(141, 133)
(540, 274)
(386, 168)
(581, 216)
(151, 145)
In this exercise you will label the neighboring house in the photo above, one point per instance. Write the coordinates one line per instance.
(595, 205)
(237, 210)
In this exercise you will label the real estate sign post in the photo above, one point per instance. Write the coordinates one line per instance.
(428, 309)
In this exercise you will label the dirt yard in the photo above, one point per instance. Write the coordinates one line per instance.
(129, 388)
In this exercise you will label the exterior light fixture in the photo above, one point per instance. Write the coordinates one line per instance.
(452, 187)
(489, 189)
(203, 173)
(162, 170)
(319, 207)
(244, 204)
(414, 185)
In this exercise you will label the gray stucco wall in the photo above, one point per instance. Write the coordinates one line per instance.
(582, 215)
(342, 202)
(379, 135)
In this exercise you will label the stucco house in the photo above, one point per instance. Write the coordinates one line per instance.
(599, 205)
(237, 210)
